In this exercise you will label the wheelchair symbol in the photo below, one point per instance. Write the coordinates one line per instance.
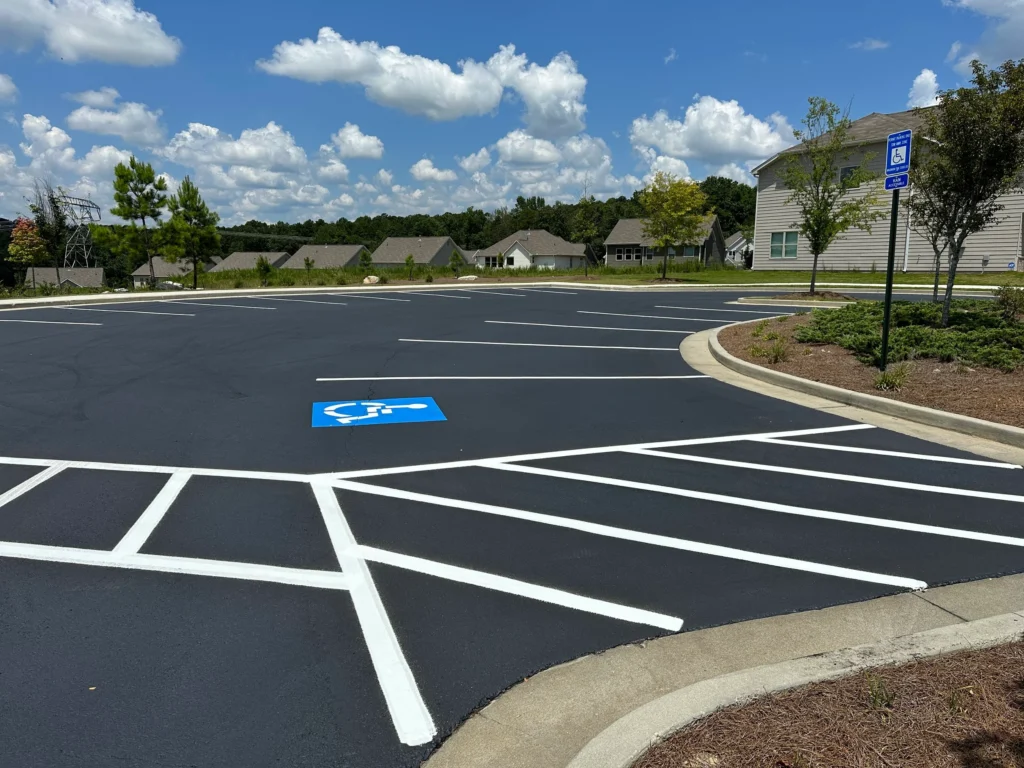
(372, 410)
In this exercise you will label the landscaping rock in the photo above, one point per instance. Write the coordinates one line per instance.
(371, 280)
(468, 277)
(167, 285)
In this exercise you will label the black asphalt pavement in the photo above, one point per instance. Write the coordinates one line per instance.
(191, 574)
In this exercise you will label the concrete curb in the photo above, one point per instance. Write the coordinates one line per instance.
(795, 303)
(619, 745)
(106, 298)
(1000, 433)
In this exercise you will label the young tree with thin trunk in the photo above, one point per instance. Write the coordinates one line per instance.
(817, 187)
(584, 227)
(674, 214)
(973, 153)
(456, 262)
(138, 194)
(51, 222)
(410, 262)
(196, 225)
(27, 246)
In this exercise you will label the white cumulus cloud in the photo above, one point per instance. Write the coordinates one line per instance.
(476, 161)
(713, 129)
(268, 148)
(112, 31)
(870, 44)
(552, 94)
(103, 98)
(736, 173)
(520, 148)
(8, 90)
(133, 122)
(1002, 39)
(925, 90)
(352, 142)
(425, 170)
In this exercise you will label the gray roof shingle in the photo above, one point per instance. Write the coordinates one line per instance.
(83, 277)
(247, 260)
(325, 256)
(164, 268)
(631, 232)
(538, 242)
(423, 249)
(733, 239)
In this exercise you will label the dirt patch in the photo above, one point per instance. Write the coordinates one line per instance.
(960, 711)
(983, 393)
(817, 296)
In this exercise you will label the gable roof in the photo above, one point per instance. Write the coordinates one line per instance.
(869, 129)
(734, 239)
(163, 268)
(423, 249)
(537, 242)
(325, 256)
(247, 260)
(631, 232)
(83, 277)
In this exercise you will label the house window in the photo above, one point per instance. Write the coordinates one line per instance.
(783, 245)
(491, 262)
(847, 173)
(650, 253)
(671, 253)
(618, 254)
(691, 251)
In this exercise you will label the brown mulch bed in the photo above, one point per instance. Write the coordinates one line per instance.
(983, 393)
(960, 711)
(816, 296)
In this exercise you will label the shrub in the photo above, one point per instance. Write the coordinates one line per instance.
(286, 279)
(383, 279)
(342, 280)
(237, 284)
(430, 277)
(1010, 302)
(759, 329)
(893, 378)
(778, 352)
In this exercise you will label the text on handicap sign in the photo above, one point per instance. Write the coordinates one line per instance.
(364, 413)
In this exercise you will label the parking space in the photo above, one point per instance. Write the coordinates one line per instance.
(195, 572)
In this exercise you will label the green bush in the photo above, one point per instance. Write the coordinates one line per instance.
(1010, 302)
(978, 333)
(893, 378)
(430, 277)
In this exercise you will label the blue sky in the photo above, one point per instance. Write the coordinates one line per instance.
(316, 109)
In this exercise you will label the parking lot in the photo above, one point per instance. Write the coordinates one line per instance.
(194, 574)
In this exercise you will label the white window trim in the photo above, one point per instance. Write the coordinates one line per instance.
(783, 255)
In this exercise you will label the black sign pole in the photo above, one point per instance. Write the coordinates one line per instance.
(884, 361)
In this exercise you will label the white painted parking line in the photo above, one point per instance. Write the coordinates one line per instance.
(244, 474)
(522, 589)
(409, 712)
(588, 327)
(215, 304)
(488, 291)
(128, 311)
(142, 529)
(741, 311)
(589, 451)
(301, 301)
(546, 290)
(831, 476)
(878, 452)
(637, 536)
(513, 378)
(181, 565)
(434, 293)
(522, 344)
(36, 480)
(650, 317)
(48, 322)
(375, 298)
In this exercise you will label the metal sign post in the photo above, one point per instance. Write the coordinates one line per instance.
(897, 167)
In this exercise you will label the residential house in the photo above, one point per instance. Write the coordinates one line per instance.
(735, 247)
(326, 256)
(425, 250)
(532, 248)
(164, 270)
(779, 245)
(248, 259)
(75, 277)
(628, 246)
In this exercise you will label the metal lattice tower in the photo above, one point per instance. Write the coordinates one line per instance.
(80, 213)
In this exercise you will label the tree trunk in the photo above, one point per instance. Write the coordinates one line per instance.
(195, 273)
(56, 266)
(33, 268)
(814, 274)
(664, 265)
(149, 257)
(938, 269)
(954, 261)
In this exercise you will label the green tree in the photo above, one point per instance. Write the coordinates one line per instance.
(584, 227)
(50, 221)
(456, 262)
(308, 263)
(195, 224)
(366, 260)
(733, 202)
(263, 269)
(138, 194)
(973, 154)
(410, 262)
(674, 210)
(819, 190)
(27, 246)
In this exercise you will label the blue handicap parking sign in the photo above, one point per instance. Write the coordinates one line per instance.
(897, 182)
(363, 413)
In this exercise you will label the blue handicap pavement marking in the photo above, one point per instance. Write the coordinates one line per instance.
(363, 413)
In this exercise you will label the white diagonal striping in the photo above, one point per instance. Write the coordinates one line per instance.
(148, 521)
(36, 480)
(879, 452)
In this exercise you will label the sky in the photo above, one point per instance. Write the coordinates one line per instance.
(316, 109)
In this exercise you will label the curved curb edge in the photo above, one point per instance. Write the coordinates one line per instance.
(619, 745)
(1000, 433)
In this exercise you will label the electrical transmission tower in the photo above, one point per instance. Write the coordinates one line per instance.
(80, 213)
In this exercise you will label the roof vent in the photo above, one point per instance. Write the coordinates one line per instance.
(527, 234)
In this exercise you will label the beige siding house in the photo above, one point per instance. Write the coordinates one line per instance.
(248, 259)
(627, 246)
(777, 245)
(326, 256)
(532, 248)
(425, 250)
